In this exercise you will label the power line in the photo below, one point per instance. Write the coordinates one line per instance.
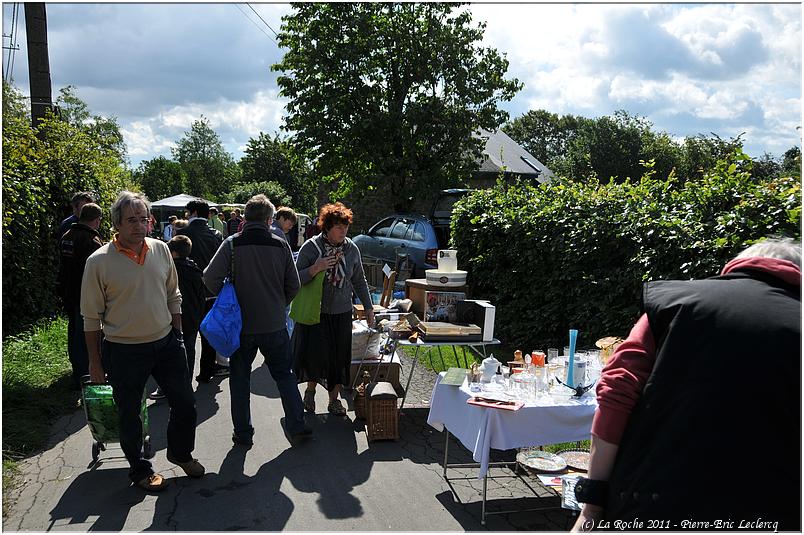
(254, 23)
(11, 47)
(262, 19)
(13, 43)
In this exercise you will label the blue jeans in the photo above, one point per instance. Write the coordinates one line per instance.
(165, 360)
(77, 345)
(275, 347)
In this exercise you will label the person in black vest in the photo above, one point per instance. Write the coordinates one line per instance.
(75, 246)
(76, 202)
(206, 241)
(708, 380)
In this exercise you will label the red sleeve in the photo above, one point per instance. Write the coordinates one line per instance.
(622, 382)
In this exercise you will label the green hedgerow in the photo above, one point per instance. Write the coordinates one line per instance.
(574, 255)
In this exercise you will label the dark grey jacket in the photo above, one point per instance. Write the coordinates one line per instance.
(265, 277)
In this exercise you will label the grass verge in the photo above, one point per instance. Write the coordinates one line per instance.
(36, 389)
(441, 358)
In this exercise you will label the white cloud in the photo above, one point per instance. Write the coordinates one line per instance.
(234, 121)
(689, 68)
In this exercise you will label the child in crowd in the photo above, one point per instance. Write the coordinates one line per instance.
(191, 286)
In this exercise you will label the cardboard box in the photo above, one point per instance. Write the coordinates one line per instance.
(480, 313)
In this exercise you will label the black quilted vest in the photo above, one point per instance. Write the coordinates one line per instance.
(716, 434)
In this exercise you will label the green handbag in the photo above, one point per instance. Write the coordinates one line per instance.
(306, 306)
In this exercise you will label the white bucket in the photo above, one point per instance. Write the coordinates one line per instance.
(447, 260)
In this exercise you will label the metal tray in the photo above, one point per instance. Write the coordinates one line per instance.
(542, 462)
(576, 459)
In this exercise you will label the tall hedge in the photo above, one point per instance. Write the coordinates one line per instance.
(574, 255)
(39, 177)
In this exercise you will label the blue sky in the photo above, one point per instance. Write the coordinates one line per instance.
(689, 68)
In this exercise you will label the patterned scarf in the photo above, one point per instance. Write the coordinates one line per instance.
(337, 273)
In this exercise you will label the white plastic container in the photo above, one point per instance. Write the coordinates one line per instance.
(447, 260)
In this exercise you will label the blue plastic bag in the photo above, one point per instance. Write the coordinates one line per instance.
(223, 322)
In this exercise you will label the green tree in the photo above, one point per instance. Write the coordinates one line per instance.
(39, 176)
(700, 154)
(545, 135)
(618, 146)
(277, 160)
(271, 189)
(160, 177)
(389, 94)
(210, 170)
(791, 163)
(765, 167)
(76, 112)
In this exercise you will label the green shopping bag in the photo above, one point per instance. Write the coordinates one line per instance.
(306, 306)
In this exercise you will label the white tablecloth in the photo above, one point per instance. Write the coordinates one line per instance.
(549, 420)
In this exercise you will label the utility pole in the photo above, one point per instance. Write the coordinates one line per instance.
(38, 62)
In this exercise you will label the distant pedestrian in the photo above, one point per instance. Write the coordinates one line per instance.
(284, 219)
(167, 234)
(222, 219)
(234, 222)
(265, 282)
(323, 352)
(214, 221)
(77, 244)
(77, 202)
(206, 241)
(130, 287)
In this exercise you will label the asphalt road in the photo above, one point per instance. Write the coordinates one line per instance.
(336, 481)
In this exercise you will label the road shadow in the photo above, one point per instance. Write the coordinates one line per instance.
(327, 465)
(98, 493)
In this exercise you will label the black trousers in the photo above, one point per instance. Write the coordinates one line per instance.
(206, 364)
(166, 361)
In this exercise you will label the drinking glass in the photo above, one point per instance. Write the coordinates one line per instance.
(552, 354)
(566, 351)
(506, 373)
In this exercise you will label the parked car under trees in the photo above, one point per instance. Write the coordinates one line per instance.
(417, 237)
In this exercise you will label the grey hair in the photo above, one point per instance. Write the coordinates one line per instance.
(259, 208)
(781, 248)
(124, 199)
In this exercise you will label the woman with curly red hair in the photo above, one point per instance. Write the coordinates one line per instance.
(323, 352)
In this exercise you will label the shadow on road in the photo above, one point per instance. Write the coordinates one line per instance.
(101, 494)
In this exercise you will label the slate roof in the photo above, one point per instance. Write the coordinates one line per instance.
(503, 153)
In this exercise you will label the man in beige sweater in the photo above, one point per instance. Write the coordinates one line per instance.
(130, 291)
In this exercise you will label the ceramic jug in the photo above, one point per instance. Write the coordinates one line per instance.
(489, 368)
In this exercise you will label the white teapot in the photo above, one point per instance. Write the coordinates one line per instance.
(489, 367)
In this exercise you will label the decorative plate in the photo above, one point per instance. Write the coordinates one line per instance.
(541, 461)
(576, 459)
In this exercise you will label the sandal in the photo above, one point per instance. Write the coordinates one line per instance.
(336, 407)
(309, 401)
(152, 483)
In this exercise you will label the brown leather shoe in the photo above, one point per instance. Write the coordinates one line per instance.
(192, 467)
(152, 483)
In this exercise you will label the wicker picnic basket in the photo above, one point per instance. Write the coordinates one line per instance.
(382, 415)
